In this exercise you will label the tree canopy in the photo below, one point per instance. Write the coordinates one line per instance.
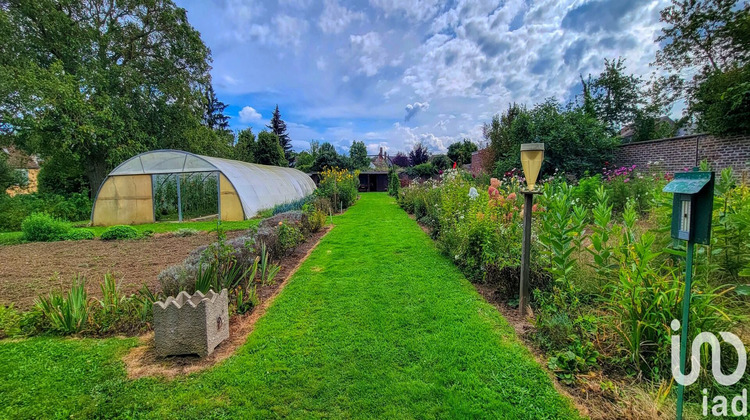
(268, 150)
(460, 152)
(358, 155)
(101, 81)
(711, 40)
(418, 155)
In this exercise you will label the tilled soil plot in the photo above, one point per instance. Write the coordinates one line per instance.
(28, 270)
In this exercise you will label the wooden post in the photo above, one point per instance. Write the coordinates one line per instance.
(523, 296)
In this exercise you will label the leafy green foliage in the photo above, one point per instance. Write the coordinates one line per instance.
(423, 170)
(575, 142)
(10, 322)
(9, 177)
(119, 232)
(69, 313)
(290, 237)
(79, 235)
(460, 152)
(130, 77)
(73, 208)
(711, 40)
(722, 102)
(339, 186)
(244, 149)
(44, 228)
(358, 155)
(394, 185)
(268, 151)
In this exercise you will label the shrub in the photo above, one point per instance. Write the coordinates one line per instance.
(289, 237)
(79, 235)
(423, 170)
(10, 322)
(339, 186)
(393, 183)
(185, 232)
(316, 218)
(67, 314)
(17, 208)
(119, 232)
(43, 227)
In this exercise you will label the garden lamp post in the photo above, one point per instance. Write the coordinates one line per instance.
(692, 206)
(532, 155)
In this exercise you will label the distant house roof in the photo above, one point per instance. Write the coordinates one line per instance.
(18, 159)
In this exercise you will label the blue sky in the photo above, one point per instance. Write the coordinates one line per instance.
(395, 72)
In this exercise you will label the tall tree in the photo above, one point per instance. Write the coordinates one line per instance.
(711, 40)
(418, 155)
(244, 149)
(709, 35)
(460, 151)
(328, 158)
(268, 150)
(102, 80)
(213, 114)
(278, 127)
(617, 96)
(400, 160)
(358, 155)
(497, 133)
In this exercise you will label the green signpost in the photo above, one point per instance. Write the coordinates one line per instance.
(692, 207)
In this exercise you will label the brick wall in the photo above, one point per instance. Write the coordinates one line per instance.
(479, 160)
(676, 154)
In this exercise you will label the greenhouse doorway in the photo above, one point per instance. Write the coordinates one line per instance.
(186, 196)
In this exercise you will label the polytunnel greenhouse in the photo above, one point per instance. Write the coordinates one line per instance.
(166, 185)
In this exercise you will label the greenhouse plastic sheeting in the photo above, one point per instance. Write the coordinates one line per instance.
(258, 187)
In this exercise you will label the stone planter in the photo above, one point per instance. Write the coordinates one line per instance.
(191, 324)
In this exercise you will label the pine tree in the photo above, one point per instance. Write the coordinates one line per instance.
(278, 127)
(214, 117)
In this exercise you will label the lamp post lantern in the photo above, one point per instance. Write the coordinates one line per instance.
(692, 206)
(532, 155)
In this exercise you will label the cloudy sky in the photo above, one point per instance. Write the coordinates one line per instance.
(396, 72)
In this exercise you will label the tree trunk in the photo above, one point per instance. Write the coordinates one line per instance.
(96, 171)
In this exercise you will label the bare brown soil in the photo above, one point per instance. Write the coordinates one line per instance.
(142, 360)
(28, 270)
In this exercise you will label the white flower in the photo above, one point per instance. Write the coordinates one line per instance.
(473, 193)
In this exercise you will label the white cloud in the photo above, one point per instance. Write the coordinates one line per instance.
(418, 10)
(345, 70)
(335, 18)
(288, 30)
(413, 109)
(372, 54)
(249, 114)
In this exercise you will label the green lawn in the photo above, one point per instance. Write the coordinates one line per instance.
(375, 324)
(11, 238)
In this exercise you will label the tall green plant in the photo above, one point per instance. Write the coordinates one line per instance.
(67, 314)
(561, 235)
(601, 247)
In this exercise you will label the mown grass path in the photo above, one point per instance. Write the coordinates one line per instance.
(375, 324)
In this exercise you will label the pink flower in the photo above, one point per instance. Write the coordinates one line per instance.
(493, 192)
(512, 196)
(495, 182)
